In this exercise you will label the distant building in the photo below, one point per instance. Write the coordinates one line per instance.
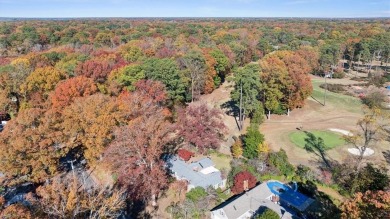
(201, 173)
(282, 199)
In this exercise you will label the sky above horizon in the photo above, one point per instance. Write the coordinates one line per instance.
(194, 8)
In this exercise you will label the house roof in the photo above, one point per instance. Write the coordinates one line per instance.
(248, 201)
(192, 172)
(252, 201)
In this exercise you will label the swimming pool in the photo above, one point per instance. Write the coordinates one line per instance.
(289, 196)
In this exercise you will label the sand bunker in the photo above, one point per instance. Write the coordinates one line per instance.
(344, 132)
(355, 151)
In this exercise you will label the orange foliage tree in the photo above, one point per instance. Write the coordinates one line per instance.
(89, 122)
(27, 150)
(210, 72)
(67, 91)
(370, 205)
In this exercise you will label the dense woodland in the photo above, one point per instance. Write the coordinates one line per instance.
(96, 104)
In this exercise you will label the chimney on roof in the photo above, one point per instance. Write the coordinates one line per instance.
(246, 185)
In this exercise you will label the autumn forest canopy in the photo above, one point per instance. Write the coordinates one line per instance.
(96, 104)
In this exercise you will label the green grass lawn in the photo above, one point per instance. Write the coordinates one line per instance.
(349, 103)
(221, 161)
(331, 139)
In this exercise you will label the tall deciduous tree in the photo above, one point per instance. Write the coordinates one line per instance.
(201, 126)
(68, 197)
(27, 153)
(135, 155)
(210, 73)
(98, 70)
(41, 80)
(67, 91)
(370, 205)
(330, 53)
(195, 66)
(371, 129)
(89, 122)
(236, 149)
(128, 75)
(274, 78)
(299, 87)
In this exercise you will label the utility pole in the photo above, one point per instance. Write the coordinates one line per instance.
(326, 88)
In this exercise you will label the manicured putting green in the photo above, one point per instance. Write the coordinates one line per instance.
(331, 139)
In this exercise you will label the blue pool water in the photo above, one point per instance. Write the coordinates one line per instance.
(287, 194)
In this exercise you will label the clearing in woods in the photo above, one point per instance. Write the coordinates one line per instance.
(340, 112)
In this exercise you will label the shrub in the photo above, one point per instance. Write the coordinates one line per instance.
(251, 141)
(339, 73)
(374, 97)
(304, 173)
(336, 88)
(268, 214)
(196, 194)
(263, 147)
(280, 161)
(237, 149)
(258, 116)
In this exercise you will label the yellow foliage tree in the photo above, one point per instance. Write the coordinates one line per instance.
(263, 148)
(237, 149)
(42, 80)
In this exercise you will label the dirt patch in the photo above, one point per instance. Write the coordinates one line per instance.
(216, 99)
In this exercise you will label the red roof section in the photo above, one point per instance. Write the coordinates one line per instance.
(185, 154)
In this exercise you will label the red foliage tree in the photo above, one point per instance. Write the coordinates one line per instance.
(135, 155)
(201, 126)
(185, 154)
(154, 90)
(146, 100)
(96, 69)
(4, 61)
(70, 89)
(240, 179)
(136, 151)
(165, 52)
